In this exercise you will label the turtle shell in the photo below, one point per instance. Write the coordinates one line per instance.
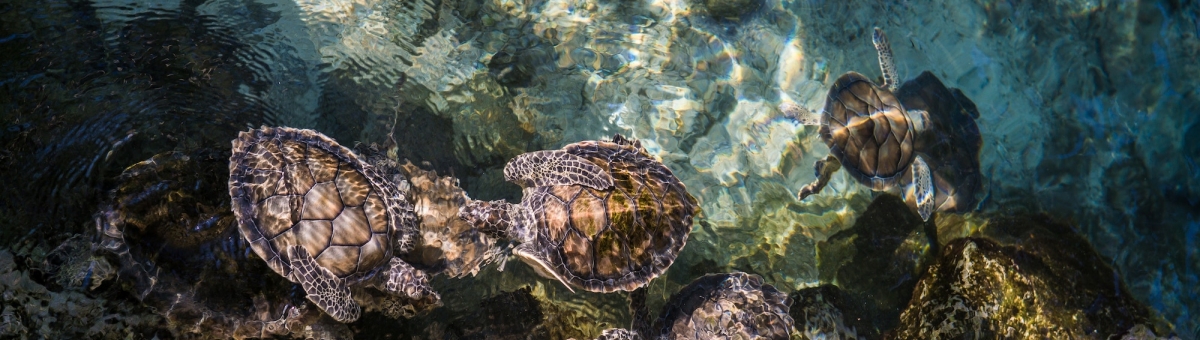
(619, 238)
(298, 187)
(868, 130)
(725, 306)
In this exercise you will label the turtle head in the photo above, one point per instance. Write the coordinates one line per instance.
(497, 218)
(920, 120)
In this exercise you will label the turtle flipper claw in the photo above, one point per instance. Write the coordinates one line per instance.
(324, 289)
(923, 188)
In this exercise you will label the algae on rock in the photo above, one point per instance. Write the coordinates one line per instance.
(1031, 278)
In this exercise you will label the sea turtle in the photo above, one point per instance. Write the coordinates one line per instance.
(869, 133)
(726, 306)
(168, 225)
(324, 218)
(598, 215)
(715, 306)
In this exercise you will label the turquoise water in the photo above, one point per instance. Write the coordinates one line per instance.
(1086, 111)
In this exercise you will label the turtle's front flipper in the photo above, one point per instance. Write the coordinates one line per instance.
(824, 169)
(885, 60)
(401, 279)
(922, 183)
(555, 167)
(324, 289)
(799, 114)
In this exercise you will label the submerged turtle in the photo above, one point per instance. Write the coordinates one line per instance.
(715, 306)
(177, 250)
(598, 215)
(869, 133)
(321, 217)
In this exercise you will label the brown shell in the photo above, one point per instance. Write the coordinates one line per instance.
(298, 187)
(725, 306)
(615, 239)
(868, 130)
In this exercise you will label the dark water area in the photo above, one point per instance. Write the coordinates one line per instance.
(1057, 124)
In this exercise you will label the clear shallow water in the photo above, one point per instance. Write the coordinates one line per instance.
(1086, 112)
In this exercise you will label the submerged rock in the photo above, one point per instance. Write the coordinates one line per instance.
(32, 309)
(1032, 278)
(828, 312)
(877, 261)
(508, 315)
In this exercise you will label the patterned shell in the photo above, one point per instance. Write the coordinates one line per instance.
(298, 187)
(868, 130)
(725, 306)
(615, 239)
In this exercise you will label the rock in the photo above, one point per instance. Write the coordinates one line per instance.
(508, 315)
(1031, 278)
(828, 312)
(30, 309)
(878, 260)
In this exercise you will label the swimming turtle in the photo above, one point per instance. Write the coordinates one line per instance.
(324, 218)
(869, 133)
(715, 306)
(598, 215)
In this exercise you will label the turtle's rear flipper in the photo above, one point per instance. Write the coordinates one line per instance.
(324, 289)
(556, 167)
(824, 169)
(922, 183)
(401, 279)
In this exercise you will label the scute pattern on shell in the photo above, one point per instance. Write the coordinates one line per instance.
(615, 239)
(868, 130)
(725, 306)
(298, 187)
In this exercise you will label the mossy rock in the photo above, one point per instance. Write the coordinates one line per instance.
(1033, 278)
